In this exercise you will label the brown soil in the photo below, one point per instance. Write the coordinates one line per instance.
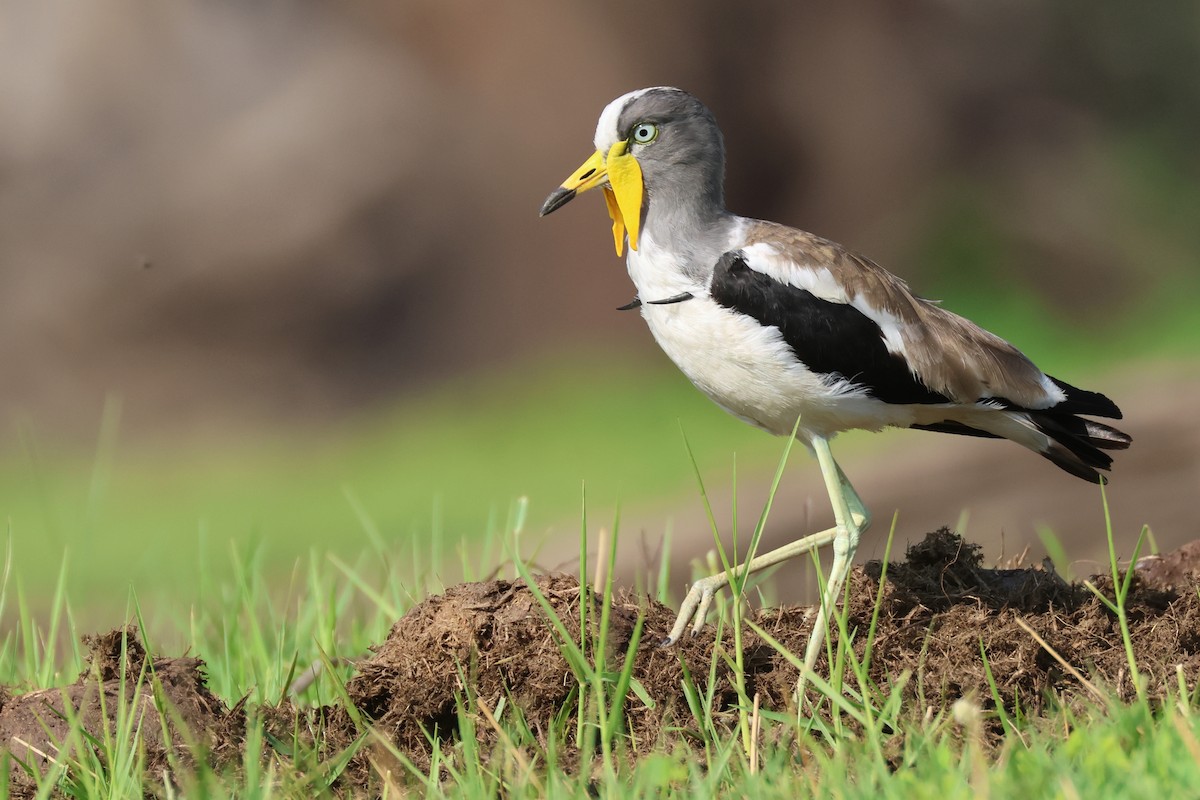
(180, 719)
(482, 644)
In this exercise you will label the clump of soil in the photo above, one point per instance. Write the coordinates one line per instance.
(486, 643)
(492, 641)
(34, 726)
(1174, 571)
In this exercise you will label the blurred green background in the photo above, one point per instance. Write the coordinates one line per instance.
(268, 268)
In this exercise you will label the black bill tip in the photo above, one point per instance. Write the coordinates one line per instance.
(558, 198)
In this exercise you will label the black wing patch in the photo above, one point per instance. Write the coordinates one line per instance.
(833, 339)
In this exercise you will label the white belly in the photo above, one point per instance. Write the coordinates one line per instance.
(751, 372)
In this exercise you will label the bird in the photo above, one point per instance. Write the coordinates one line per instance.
(800, 336)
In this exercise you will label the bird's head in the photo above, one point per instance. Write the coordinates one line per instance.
(651, 143)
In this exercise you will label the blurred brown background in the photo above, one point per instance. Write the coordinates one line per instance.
(238, 216)
(252, 212)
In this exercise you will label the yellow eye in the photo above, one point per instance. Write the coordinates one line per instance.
(644, 133)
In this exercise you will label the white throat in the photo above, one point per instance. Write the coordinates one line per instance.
(659, 270)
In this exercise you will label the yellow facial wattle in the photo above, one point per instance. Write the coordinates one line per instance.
(625, 203)
(618, 221)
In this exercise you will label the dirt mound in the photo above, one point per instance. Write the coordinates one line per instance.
(492, 641)
(166, 695)
(941, 606)
(482, 645)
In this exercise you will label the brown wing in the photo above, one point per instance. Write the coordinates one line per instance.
(949, 354)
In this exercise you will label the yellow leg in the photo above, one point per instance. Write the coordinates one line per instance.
(851, 519)
(700, 596)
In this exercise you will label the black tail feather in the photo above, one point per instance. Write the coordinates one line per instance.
(1067, 460)
(1078, 444)
(953, 426)
(1081, 401)
(1106, 437)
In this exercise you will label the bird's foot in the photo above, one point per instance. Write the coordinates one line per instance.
(694, 607)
